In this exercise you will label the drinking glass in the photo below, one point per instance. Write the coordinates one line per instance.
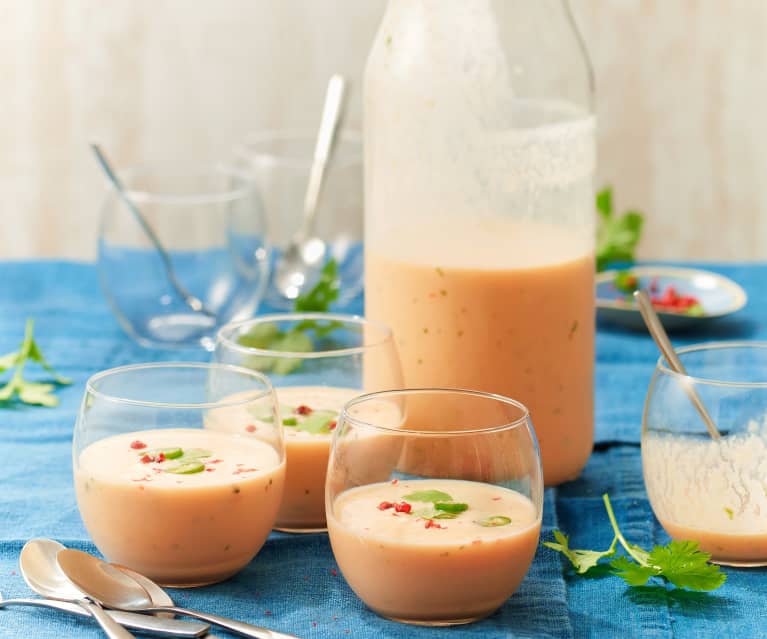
(434, 502)
(343, 356)
(211, 222)
(279, 162)
(709, 490)
(170, 481)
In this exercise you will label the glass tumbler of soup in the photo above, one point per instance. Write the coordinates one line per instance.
(434, 501)
(316, 363)
(168, 480)
(710, 485)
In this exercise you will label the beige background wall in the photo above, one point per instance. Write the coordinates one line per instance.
(682, 102)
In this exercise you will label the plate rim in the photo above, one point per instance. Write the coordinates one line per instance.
(739, 295)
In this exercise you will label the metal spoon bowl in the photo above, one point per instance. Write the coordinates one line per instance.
(115, 589)
(40, 570)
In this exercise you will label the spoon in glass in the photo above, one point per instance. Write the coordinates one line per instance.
(658, 333)
(193, 302)
(113, 588)
(35, 562)
(305, 254)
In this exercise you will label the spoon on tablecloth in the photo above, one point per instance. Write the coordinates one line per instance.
(658, 333)
(113, 588)
(35, 563)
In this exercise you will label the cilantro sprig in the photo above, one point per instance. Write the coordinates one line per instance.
(680, 563)
(268, 336)
(37, 393)
(617, 235)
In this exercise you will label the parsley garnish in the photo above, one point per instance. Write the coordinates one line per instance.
(681, 563)
(617, 236)
(26, 391)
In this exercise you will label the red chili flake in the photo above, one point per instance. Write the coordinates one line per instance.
(214, 461)
(146, 459)
(403, 507)
(137, 445)
(145, 478)
(303, 409)
(332, 425)
(244, 470)
(209, 470)
(334, 572)
(430, 523)
(395, 482)
(160, 457)
(385, 505)
(250, 428)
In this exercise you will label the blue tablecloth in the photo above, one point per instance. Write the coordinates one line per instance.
(293, 583)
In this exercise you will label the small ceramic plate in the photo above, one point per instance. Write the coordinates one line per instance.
(717, 295)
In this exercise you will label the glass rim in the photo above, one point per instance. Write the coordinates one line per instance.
(663, 367)
(169, 169)
(90, 389)
(358, 320)
(523, 419)
(244, 150)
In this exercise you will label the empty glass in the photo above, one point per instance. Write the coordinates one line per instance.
(211, 222)
(434, 502)
(279, 161)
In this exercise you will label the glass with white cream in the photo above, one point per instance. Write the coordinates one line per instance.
(167, 481)
(316, 363)
(701, 488)
(434, 502)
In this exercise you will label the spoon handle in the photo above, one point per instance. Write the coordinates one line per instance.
(326, 139)
(111, 628)
(238, 627)
(136, 621)
(658, 333)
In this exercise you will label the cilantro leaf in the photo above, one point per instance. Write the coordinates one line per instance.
(29, 392)
(324, 293)
(582, 560)
(617, 236)
(451, 507)
(429, 496)
(632, 573)
(686, 566)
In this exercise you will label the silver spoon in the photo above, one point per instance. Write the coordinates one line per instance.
(658, 333)
(113, 588)
(195, 303)
(132, 620)
(36, 561)
(306, 253)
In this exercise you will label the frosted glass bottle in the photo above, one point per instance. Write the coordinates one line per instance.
(479, 207)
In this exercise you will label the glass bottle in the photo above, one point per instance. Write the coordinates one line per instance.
(479, 207)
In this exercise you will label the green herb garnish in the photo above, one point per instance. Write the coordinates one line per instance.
(617, 236)
(168, 453)
(494, 521)
(290, 421)
(681, 563)
(26, 391)
(186, 468)
(268, 336)
(450, 507)
(429, 496)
